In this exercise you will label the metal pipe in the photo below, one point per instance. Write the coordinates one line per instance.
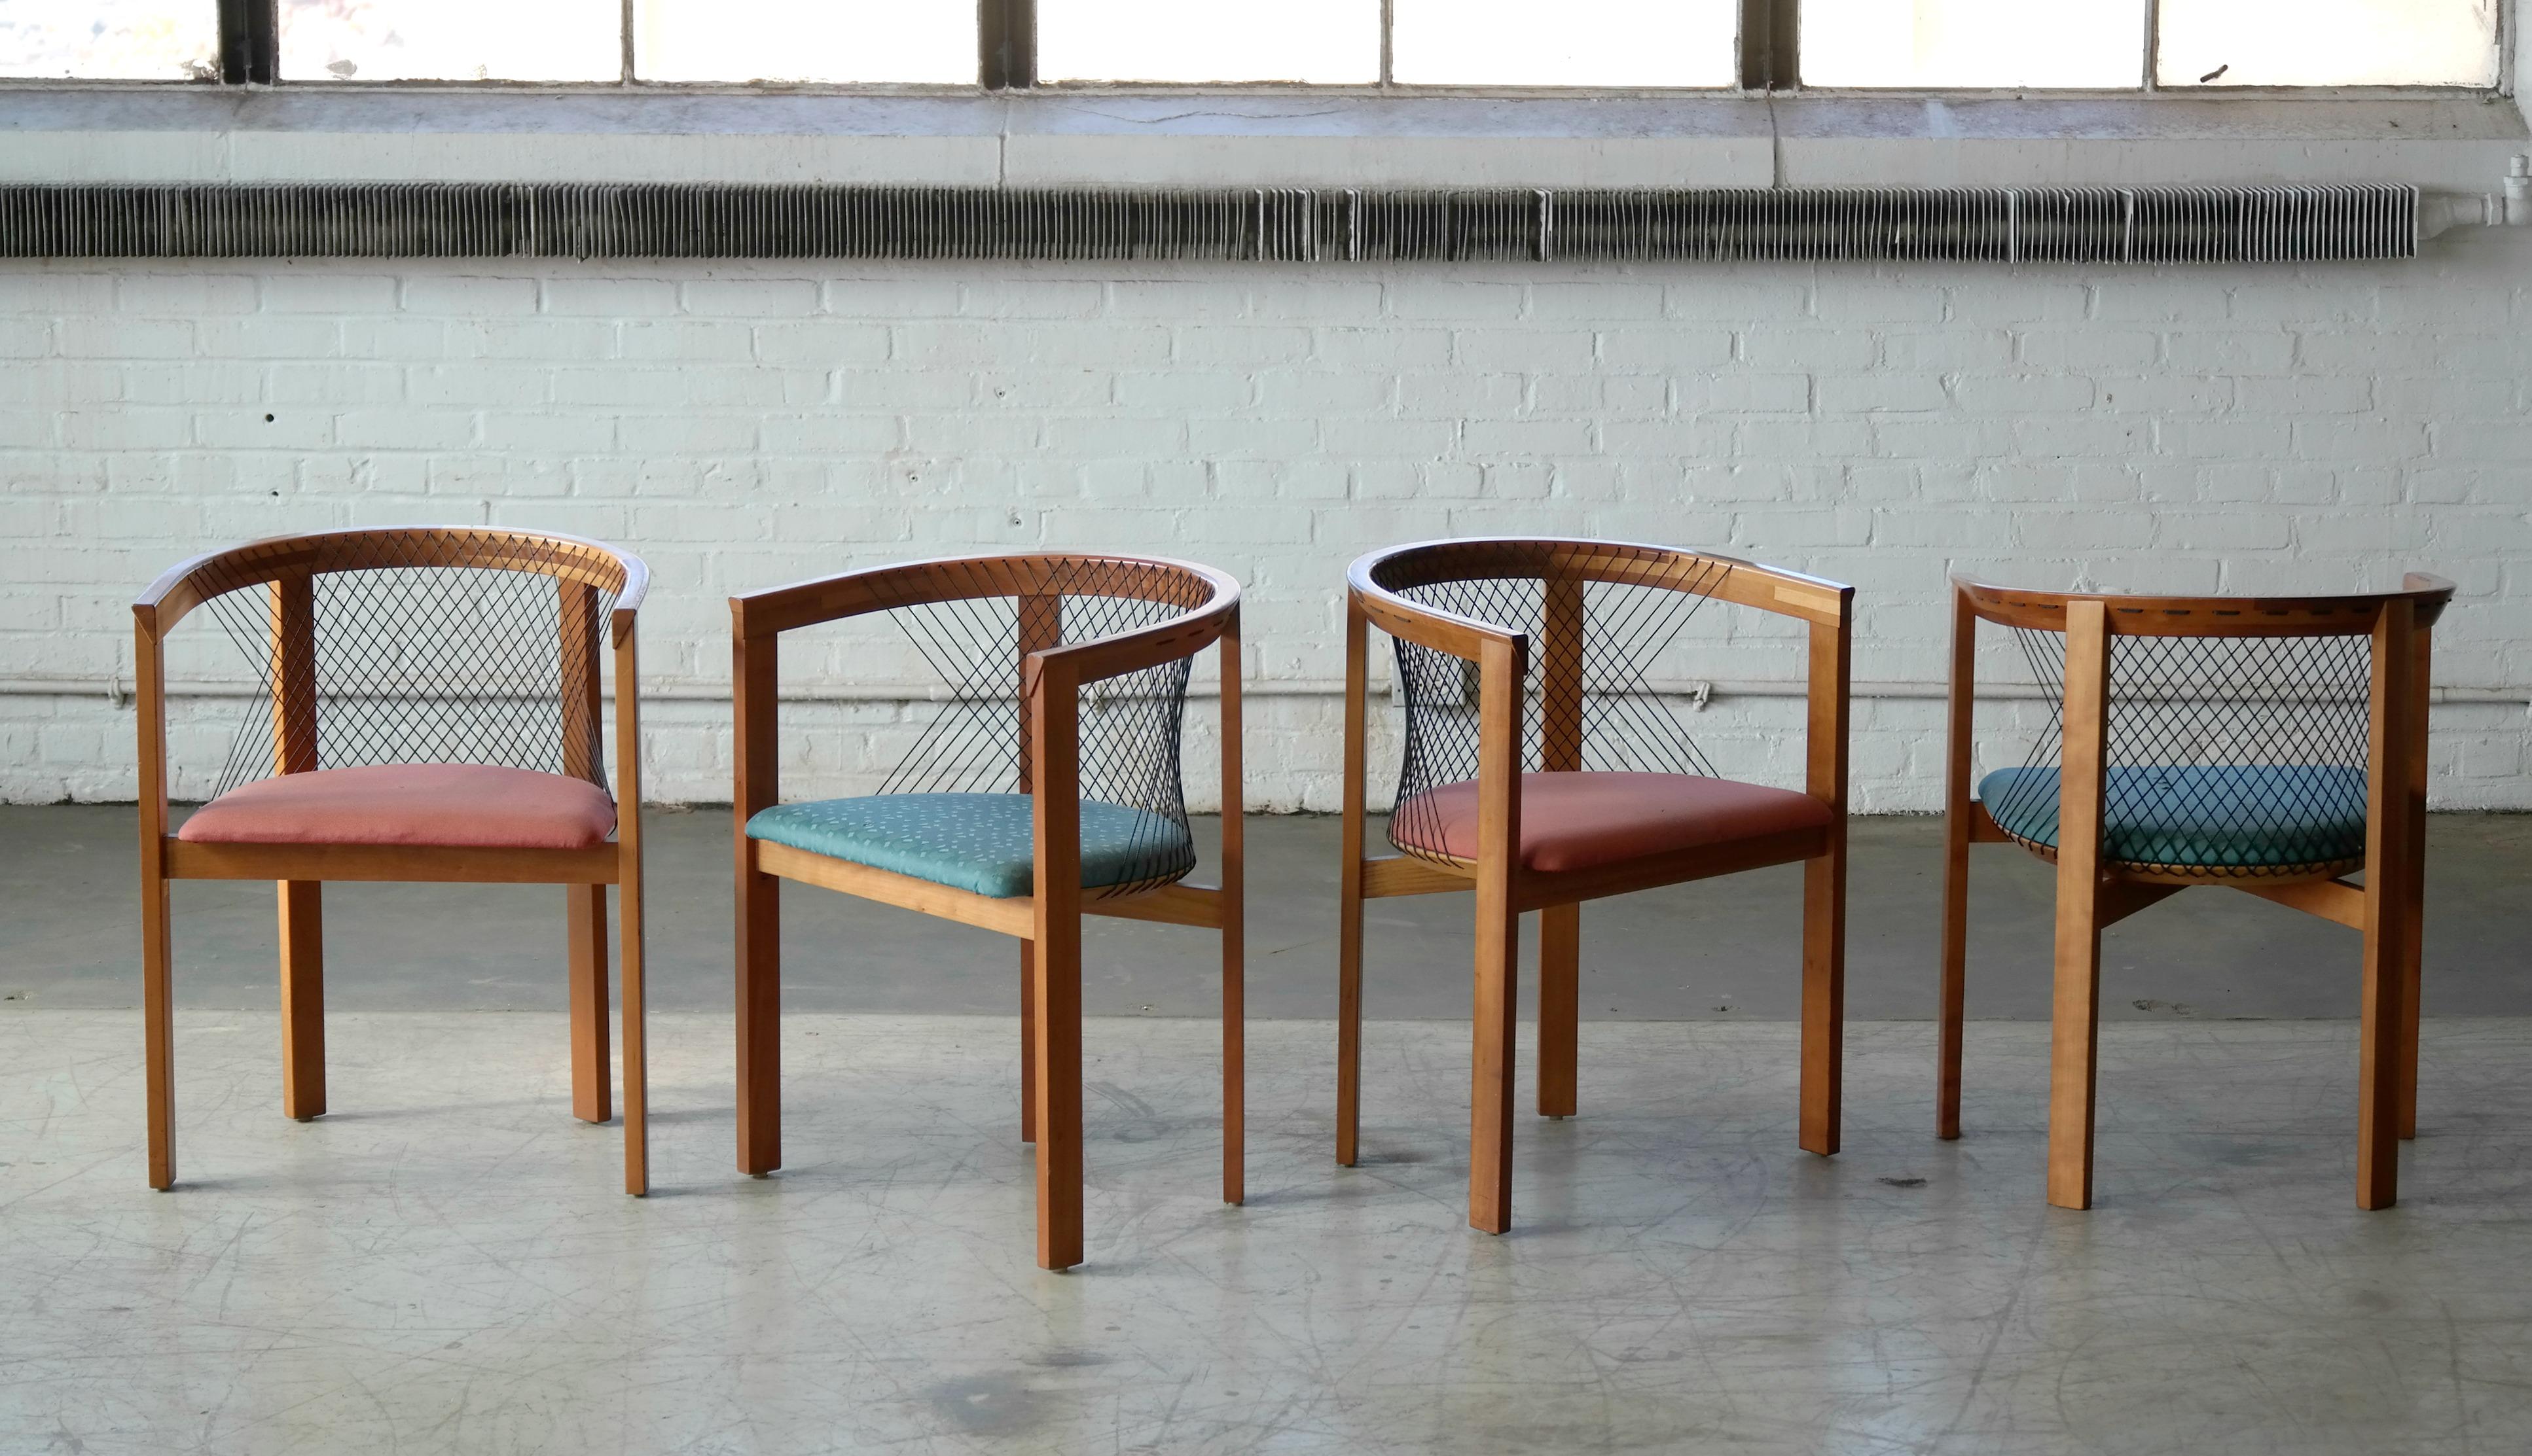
(1698, 691)
(2510, 207)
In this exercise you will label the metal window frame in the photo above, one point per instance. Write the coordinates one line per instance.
(1771, 42)
(1768, 42)
(250, 42)
(1006, 44)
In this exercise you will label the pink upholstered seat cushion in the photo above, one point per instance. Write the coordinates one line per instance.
(1585, 820)
(461, 806)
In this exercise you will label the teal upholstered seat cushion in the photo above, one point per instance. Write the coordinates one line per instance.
(980, 842)
(2261, 816)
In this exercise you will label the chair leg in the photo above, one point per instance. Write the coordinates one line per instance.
(1349, 837)
(1498, 996)
(1235, 1071)
(302, 998)
(2413, 879)
(1028, 1042)
(1349, 1016)
(1952, 992)
(1824, 999)
(158, 1029)
(636, 1056)
(592, 1069)
(1233, 929)
(2074, 1046)
(2386, 1056)
(2394, 855)
(759, 1018)
(2378, 1075)
(2413, 893)
(1235, 1053)
(1059, 1094)
(1560, 1008)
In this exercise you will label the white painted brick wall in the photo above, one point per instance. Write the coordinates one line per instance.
(2238, 429)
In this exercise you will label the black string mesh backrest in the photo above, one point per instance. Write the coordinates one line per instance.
(1624, 724)
(2256, 742)
(1131, 727)
(405, 660)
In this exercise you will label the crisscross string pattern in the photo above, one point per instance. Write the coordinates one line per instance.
(1131, 727)
(1625, 722)
(2229, 757)
(390, 652)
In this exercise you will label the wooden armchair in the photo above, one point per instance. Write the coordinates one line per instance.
(1543, 769)
(1014, 811)
(429, 710)
(2269, 744)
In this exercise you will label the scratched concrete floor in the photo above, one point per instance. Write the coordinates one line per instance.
(443, 1265)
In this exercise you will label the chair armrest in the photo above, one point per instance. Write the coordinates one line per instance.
(1428, 626)
(1132, 652)
(780, 609)
(637, 586)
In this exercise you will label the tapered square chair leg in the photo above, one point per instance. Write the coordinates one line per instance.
(302, 999)
(1560, 1009)
(593, 1062)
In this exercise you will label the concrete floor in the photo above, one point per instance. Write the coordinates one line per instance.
(1723, 949)
(443, 1265)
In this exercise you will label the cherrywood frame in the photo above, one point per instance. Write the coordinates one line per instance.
(1505, 890)
(2094, 894)
(285, 569)
(1048, 924)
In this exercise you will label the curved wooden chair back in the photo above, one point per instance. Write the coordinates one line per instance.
(987, 627)
(414, 644)
(1586, 624)
(2190, 709)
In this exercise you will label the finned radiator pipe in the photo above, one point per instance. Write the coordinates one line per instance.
(2267, 224)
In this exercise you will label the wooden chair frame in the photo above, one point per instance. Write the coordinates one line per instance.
(2094, 894)
(1048, 924)
(1504, 889)
(285, 567)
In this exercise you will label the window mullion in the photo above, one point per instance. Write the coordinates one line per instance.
(1006, 44)
(1770, 35)
(250, 42)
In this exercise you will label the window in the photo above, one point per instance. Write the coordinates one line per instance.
(832, 41)
(1568, 43)
(1640, 45)
(449, 41)
(110, 39)
(2328, 43)
(1983, 43)
(1329, 42)
(2101, 44)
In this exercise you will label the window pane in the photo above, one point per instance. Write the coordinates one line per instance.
(2087, 44)
(1565, 42)
(2328, 43)
(451, 39)
(780, 41)
(110, 39)
(1333, 42)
